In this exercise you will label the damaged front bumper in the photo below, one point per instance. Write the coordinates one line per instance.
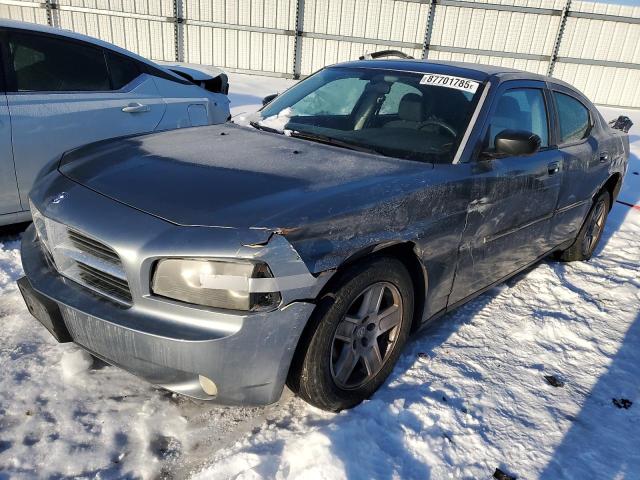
(248, 365)
(229, 357)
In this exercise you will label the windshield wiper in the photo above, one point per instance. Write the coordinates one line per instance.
(259, 126)
(314, 137)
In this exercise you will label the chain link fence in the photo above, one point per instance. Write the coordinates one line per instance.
(594, 46)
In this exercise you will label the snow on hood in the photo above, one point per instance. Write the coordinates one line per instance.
(278, 122)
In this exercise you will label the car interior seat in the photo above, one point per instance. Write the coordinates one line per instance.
(410, 112)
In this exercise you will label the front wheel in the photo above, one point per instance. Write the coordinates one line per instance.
(591, 231)
(359, 335)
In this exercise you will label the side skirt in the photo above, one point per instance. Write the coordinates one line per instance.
(459, 303)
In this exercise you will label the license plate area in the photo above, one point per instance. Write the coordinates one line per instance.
(45, 310)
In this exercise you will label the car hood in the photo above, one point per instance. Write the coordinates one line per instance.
(231, 176)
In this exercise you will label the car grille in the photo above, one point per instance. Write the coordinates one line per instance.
(93, 247)
(84, 259)
(105, 283)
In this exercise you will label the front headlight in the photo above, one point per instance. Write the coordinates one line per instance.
(40, 225)
(229, 284)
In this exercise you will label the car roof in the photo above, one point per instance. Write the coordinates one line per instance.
(34, 27)
(473, 71)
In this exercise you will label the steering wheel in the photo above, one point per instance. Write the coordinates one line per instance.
(440, 123)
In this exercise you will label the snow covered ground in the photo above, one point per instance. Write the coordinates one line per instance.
(468, 396)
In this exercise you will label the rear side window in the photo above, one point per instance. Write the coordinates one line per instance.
(575, 121)
(123, 70)
(520, 109)
(42, 63)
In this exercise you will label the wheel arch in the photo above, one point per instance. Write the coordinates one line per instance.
(405, 252)
(612, 185)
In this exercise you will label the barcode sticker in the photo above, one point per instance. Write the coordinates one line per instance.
(449, 81)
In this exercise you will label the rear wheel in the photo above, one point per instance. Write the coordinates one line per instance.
(359, 331)
(591, 231)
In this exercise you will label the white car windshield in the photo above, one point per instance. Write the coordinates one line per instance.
(414, 116)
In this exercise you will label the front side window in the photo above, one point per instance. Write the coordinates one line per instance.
(393, 113)
(520, 109)
(47, 64)
(575, 122)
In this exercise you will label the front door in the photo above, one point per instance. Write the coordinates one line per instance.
(64, 93)
(513, 197)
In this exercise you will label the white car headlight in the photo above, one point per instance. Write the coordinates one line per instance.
(228, 284)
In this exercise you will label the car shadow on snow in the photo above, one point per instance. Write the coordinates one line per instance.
(634, 138)
(12, 232)
(603, 439)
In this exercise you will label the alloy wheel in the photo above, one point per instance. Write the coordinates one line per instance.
(366, 336)
(594, 230)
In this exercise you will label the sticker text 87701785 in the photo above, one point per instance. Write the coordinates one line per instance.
(449, 81)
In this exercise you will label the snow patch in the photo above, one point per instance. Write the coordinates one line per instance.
(74, 362)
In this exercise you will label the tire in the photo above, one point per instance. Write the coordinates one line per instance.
(362, 324)
(591, 231)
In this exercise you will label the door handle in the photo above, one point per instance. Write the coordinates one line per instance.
(604, 157)
(554, 167)
(135, 108)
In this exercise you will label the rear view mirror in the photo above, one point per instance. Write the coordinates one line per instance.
(517, 142)
(379, 87)
(268, 98)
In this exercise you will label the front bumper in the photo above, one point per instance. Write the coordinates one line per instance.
(248, 367)
(247, 356)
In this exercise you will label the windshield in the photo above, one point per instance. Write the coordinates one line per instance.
(407, 115)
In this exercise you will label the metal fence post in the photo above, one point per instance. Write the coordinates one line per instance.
(297, 44)
(556, 44)
(427, 33)
(178, 30)
(51, 7)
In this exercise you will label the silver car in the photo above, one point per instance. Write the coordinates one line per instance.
(62, 90)
(220, 262)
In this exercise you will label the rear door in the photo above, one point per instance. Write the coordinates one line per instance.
(513, 197)
(64, 93)
(586, 161)
(9, 199)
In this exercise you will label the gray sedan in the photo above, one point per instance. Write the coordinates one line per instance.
(304, 248)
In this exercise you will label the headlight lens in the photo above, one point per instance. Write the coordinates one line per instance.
(223, 284)
(40, 225)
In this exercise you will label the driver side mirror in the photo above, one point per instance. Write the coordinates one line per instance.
(515, 143)
(268, 98)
